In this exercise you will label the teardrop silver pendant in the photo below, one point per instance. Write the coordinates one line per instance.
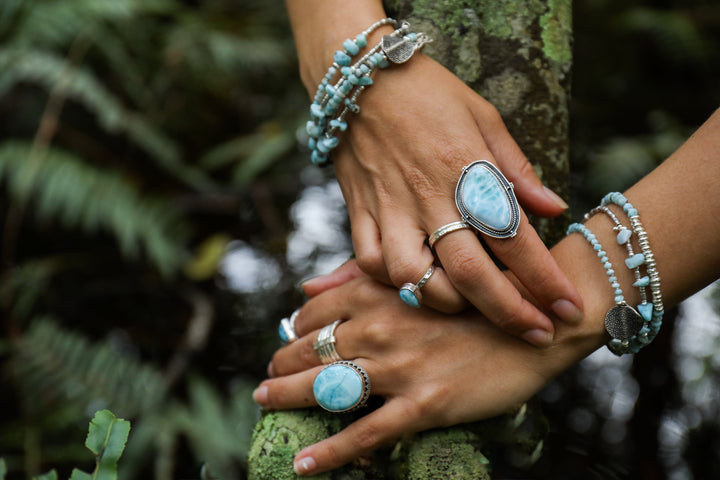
(486, 200)
(397, 49)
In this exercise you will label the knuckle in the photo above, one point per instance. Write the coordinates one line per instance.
(370, 261)
(378, 333)
(367, 437)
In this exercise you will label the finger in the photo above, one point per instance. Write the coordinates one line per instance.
(532, 194)
(385, 424)
(343, 274)
(531, 262)
(409, 259)
(476, 276)
(368, 247)
(291, 391)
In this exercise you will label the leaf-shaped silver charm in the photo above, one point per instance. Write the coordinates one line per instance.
(623, 322)
(397, 50)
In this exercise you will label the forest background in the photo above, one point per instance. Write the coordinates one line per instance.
(157, 214)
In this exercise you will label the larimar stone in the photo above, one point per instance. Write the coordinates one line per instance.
(283, 334)
(645, 310)
(624, 236)
(365, 81)
(409, 297)
(635, 261)
(486, 200)
(342, 58)
(351, 47)
(642, 282)
(338, 388)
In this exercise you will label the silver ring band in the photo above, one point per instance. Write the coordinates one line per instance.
(445, 229)
(325, 344)
(287, 328)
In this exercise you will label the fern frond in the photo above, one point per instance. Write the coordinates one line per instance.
(54, 367)
(51, 71)
(61, 186)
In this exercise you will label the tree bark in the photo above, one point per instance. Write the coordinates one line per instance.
(516, 54)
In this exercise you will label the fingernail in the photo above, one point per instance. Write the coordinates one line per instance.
(567, 311)
(304, 466)
(270, 370)
(539, 338)
(260, 395)
(555, 198)
(307, 281)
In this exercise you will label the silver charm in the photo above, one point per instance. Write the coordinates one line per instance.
(623, 322)
(397, 50)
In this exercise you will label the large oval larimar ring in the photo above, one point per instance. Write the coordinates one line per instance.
(325, 344)
(410, 292)
(341, 387)
(445, 229)
(286, 330)
(486, 200)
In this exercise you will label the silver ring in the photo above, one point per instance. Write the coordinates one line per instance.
(286, 330)
(341, 387)
(325, 344)
(445, 229)
(410, 292)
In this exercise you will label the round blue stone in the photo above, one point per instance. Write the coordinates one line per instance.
(338, 388)
(409, 297)
(282, 334)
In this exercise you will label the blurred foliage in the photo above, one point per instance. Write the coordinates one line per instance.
(140, 138)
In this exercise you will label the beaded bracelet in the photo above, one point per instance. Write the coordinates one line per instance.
(622, 321)
(395, 48)
(648, 259)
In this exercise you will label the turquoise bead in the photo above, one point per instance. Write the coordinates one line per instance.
(350, 47)
(364, 68)
(623, 236)
(338, 388)
(642, 282)
(342, 58)
(354, 80)
(409, 298)
(339, 124)
(619, 299)
(316, 111)
(361, 40)
(346, 71)
(312, 129)
(318, 158)
(645, 310)
(312, 143)
(365, 81)
(635, 261)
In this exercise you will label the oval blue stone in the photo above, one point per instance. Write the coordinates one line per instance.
(409, 297)
(338, 388)
(487, 200)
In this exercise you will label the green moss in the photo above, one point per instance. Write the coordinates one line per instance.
(279, 436)
(446, 454)
(556, 25)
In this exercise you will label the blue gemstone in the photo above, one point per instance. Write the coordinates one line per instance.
(365, 80)
(635, 261)
(361, 41)
(645, 310)
(623, 236)
(338, 388)
(342, 58)
(483, 197)
(351, 47)
(409, 297)
(642, 282)
(282, 334)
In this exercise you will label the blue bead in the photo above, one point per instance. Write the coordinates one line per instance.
(619, 299)
(612, 278)
(610, 273)
(604, 259)
(412, 36)
(635, 261)
(351, 47)
(632, 213)
(597, 247)
(345, 88)
(353, 79)
(338, 388)
(615, 285)
(339, 124)
(623, 236)
(342, 58)
(383, 63)
(312, 129)
(642, 282)
(409, 298)
(645, 310)
(332, 71)
(318, 158)
(361, 40)
(618, 291)
(607, 265)
(312, 143)
(316, 111)
(346, 71)
(364, 81)
(364, 68)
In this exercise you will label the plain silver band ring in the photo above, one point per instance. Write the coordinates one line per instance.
(445, 229)
(325, 344)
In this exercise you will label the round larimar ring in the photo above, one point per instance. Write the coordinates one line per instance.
(341, 387)
(410, 292)
(487, 201)
(445, 229)
(325, 344)
(286, 330)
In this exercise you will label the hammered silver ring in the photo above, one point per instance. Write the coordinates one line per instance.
(325, 344)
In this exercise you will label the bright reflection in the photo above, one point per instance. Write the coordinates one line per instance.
(248, 270)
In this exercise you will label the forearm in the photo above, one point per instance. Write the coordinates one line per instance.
(320, 27)
(679, 207)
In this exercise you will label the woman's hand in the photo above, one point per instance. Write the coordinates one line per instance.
(433, 369)
(398, 164)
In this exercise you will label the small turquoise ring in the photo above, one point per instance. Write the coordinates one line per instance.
(286, 330)
(342, 387)
(410, 292)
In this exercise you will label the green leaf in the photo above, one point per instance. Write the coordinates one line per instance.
(51, 475)
(106, 438)
(3, 469)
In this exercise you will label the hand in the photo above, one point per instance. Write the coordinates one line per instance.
(398, 165)
(407, 354)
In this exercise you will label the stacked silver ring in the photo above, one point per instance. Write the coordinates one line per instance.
(325, 344)
(445, 229)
